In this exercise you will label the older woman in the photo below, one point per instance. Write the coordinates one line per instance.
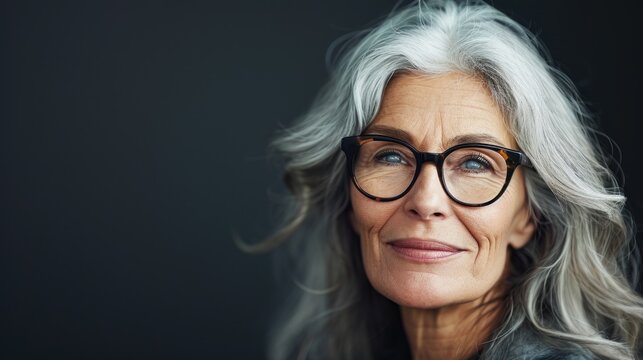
(449, 203)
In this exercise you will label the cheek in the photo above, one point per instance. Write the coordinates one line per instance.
(492, 228)
(369, 216)
(368, 219)
(489, 227)
(487, 232)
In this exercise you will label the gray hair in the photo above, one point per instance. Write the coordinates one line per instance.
(570, 282)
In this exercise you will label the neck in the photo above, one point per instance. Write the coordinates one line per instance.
(451, 332)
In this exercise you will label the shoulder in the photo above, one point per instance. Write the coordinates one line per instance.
(525, 344)
(550, 354)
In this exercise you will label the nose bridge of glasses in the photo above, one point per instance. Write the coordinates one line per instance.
(428, 179)
(428, 157)
(434, 158)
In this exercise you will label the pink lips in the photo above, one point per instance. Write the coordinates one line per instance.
(423, 250)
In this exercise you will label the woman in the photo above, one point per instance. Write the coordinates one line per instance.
(450, 203)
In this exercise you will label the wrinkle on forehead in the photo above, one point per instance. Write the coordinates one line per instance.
(435, 109)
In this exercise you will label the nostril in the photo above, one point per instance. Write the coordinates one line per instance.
(429, 215)
(436, 215)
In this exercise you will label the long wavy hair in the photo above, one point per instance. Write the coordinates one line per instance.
(572, 284)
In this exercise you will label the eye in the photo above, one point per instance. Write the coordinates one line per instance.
(391, 158)
(475, 163)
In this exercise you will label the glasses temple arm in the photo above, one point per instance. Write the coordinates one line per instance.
(524, 161)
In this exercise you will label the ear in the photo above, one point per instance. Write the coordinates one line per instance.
(524, 226)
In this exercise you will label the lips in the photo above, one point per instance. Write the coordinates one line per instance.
(423, 250)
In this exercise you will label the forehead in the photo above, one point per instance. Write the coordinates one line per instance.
(437, 112)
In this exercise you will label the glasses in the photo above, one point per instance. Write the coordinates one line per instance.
(385, 168)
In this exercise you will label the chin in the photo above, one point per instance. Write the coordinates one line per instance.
(421, 290)
(417, 302)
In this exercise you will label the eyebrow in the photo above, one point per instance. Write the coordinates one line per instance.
(475, 138)
(460, 139)
(389, 131)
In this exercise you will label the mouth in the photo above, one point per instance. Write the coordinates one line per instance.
(423, 250)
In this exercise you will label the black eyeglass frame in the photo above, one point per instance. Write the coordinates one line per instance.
(350, 146)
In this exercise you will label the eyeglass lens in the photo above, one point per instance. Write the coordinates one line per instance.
(472, 175)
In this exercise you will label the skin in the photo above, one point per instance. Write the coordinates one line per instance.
(449, 306)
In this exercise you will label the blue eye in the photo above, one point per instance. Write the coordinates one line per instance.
(475, 164)
(390, 158)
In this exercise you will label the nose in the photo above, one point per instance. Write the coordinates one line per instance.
(427, 199)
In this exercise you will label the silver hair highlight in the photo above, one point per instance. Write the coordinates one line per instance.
(570, 283)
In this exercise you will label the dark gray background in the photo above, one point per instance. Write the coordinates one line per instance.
(133, 140)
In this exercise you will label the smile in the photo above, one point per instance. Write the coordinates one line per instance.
(423, 250)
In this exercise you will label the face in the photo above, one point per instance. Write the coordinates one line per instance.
(424, 250)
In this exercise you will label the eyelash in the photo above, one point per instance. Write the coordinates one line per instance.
(479, 158)
(380, 155)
